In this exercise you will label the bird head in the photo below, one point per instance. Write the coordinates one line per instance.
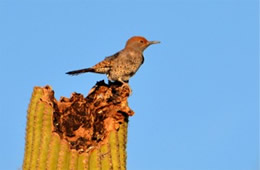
(139, 43)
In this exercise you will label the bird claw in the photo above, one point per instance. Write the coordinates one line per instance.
(126, 84)
(129, 88)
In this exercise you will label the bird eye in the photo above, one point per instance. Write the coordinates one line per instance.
(141, 41)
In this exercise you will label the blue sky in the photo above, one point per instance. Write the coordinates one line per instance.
(196, 98)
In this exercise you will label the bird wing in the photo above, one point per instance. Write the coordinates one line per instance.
(105, 65)
(112, 57)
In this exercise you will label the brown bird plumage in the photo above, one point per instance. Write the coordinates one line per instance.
(122, 65)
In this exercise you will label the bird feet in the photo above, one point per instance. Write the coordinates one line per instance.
(122, 84)
(126, 85)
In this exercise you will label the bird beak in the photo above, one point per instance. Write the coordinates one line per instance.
(154, 42)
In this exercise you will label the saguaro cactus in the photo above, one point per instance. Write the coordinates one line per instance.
(77, 132)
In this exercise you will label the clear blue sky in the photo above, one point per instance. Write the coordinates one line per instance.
(195, 98)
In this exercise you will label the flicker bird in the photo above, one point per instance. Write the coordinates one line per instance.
(122, 65)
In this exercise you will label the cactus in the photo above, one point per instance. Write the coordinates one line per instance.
(77, 132)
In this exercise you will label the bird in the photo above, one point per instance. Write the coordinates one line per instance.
(121, 66)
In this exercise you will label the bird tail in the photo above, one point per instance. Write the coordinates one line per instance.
(76, 72)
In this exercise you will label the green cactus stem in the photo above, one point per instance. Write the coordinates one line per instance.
(78, 132)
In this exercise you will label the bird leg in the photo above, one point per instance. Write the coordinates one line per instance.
(127, 85)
